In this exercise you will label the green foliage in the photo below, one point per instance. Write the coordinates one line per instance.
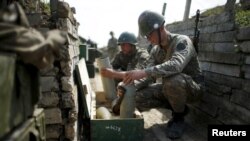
(45, 7)
(242, 17)
(213, 11)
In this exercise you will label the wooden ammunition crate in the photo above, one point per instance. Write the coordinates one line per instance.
(114, 129)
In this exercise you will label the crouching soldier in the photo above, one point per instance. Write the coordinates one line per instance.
(173, 59)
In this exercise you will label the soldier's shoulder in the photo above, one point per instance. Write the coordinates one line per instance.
(141, 50)
(180, 37)
(155, 49)
(182, 42)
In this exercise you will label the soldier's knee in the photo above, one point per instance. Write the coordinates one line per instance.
(174, 84)
(139, 96)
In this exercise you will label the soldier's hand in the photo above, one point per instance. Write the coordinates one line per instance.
(130, 76)
(107, 72)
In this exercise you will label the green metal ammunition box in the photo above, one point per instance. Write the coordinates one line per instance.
(19, 93)
(7, 75)
(84, 51)
(92, 55)
(91, 70)
(32, 129)
(115, 129)
(40, 123)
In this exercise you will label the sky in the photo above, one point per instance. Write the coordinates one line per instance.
(98, 17)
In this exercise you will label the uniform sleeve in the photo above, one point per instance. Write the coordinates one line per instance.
(142, 61)
(182, 53)
(151, 60)
(144, 82)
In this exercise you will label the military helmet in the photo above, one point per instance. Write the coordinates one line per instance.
(149, 21)
(127, 37)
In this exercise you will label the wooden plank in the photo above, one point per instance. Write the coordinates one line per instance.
(85, 87)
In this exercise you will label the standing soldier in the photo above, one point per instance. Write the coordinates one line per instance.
(112, 46)
(173, 59)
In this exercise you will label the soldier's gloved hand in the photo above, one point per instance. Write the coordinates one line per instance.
(130, 76)
(107, 72)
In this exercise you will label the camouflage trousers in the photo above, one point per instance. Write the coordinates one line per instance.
(174, 93)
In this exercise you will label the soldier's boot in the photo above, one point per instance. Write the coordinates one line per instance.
(176, 125)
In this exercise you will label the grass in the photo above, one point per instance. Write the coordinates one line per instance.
(45, 7)
(212, 11)
(242, 17)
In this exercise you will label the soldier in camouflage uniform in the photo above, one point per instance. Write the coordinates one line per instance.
(174, 60)
(31, 46)
(129, 58)
(23, 52)
(112, 46)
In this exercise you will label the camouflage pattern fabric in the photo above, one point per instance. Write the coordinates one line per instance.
(180, 57)
(150, 97)
(23, 51)
(7, 73)
(137, 60)
(176, 91)
(179, 69)
(113, 48)
(31, 46)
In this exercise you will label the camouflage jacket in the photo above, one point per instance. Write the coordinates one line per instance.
(138, 60)
(31, 46)
(180, 57)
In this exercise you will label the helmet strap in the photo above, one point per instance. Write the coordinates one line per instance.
(159, 36)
